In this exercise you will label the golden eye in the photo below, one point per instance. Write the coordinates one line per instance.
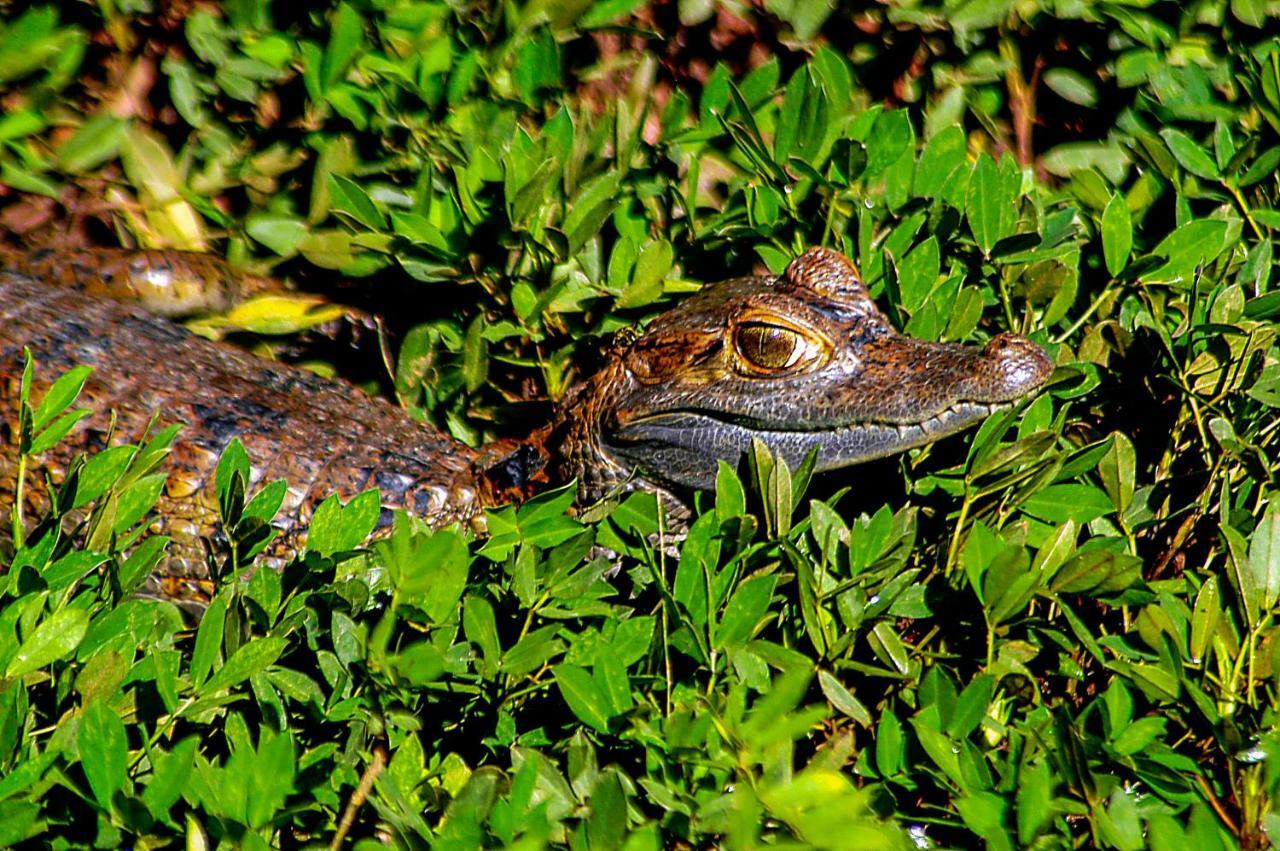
(770, 347)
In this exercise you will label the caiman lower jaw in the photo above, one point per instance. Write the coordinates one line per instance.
(684, 447)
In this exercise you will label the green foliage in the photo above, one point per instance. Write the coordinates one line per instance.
(1059, 631)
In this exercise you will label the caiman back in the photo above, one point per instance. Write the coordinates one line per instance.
(321, 436)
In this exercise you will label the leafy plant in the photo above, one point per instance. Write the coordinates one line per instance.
(1058, 631)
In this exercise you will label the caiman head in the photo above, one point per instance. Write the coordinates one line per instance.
(800, 361)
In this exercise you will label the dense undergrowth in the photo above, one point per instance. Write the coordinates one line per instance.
(1058, 631)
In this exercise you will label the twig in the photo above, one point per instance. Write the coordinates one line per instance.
(1022, 103)
(376, 765)
(1218, 808)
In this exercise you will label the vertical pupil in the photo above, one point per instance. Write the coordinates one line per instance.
(777, 346)
(768, 346)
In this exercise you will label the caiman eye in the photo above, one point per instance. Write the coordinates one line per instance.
(771, 347)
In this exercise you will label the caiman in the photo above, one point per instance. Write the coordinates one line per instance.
(801, 360)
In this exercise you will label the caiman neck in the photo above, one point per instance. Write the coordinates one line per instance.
(570, 447)
(587, 413)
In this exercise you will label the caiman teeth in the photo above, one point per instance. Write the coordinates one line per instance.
(903, 430)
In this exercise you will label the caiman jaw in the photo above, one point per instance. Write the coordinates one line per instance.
(800, 361)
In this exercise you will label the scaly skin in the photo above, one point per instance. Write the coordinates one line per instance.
(802, 360)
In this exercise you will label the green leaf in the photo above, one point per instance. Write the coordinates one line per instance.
(231, 477)
(607, 823)
(992, 203)
(1264, 554)
(1117, 471)
(745, 611)
(104, 751)
(540, 521)
(1204, 618)
(346, 35)
(57, 637)
(1138, 736)
(97, 141)
(348, 197)
(891, 137)
(266, 503)
(944, 168)
(1190, 154)
(57, 430)
(138, 499)
(169, 777)
(612, 680)
(1035, 792)
(432, 569)
(985, 814)
(773, 482)
(888, 647)
(891, 745)
(475, 355)
(651, 269)
(1062, 502)
(731, 497)
(537, 63)
(419, 663)
(1072, 158)
(1262, 167)
(590, 207)
(1071, 86)
(798, 92)
(142, 562)
(208, 639)
(940, 748)
(1097, 571)
(1251, 12)
(71, 568)
(843, 699)
(606, 12)
(532, 652)
(250, 659)
(60, 396)
(1191, 246)
(1117, 234)
(583, 697)
(632, 640)
(971, 706)
(282, 234)
(481, 628)
(918, 274)
(698, 558)
(339, 528)
(102, 471)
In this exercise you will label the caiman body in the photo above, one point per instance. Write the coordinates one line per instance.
(801, 360)
(319, 435)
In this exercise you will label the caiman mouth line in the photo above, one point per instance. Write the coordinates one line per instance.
(691, 442)
(963, 409)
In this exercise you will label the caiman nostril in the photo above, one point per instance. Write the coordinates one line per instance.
(1020, 365)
